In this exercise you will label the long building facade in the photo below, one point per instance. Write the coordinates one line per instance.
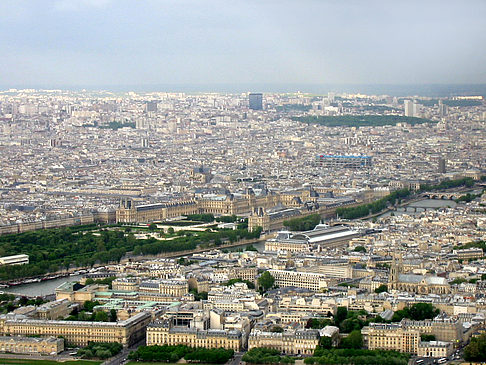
(299, 342)
(78, 333)
(163, 333)
(261, 208)
(31, 345)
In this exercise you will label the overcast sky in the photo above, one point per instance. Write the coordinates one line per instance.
(142, 42)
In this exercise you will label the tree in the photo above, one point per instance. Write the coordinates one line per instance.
(266, 281)
(426, 338)
(263, 355)
(101, 316)
(89, 305)
(303, 224)
(152, 226)
(417, 312)
(352, 341)
(170, 230)
(103, 354)
(83, 316)
(360, 249)
(276, 329)
(421, 311)
(113, 315)
(318, 323)
(382, 288)
(476, 350)
(341, 314)
(198, 296)
(325, 342)
(173, 354)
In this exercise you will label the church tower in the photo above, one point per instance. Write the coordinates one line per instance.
(394, 272)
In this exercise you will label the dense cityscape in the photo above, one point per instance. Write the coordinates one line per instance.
(262, 228)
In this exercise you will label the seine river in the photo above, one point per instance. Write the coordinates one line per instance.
(49, 286)
(426, 203)
(41, 288)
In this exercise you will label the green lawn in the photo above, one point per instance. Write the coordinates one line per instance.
(46, 362)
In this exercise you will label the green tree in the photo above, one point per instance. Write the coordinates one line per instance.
(341, 314)
(103, 354)
(89, 305)
(426, 338)
(318, 323)
(101, 316)
(421, 311)
(303, 224)
(152, 226)
(360, 249)
(266, 281)
(262, 355)
(382, 288)
(113, 315)
(476, 350)
(325, 342)
(352, 341)
(417, 312)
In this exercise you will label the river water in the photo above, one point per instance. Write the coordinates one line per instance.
(41, 288)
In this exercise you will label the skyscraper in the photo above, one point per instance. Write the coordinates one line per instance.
(151, 106)
(145, 142)
(408, 107)
(442, 109)
(442, 165)
(256, 101)
(415, 109)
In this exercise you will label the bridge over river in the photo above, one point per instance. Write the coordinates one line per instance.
(443, 196)
(422, 205)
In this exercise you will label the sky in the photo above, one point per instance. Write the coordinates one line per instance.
(98, 43)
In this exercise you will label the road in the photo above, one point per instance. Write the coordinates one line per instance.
(120, 358)
(236, 359)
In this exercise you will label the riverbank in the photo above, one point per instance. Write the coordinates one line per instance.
(242, 243)
(48, 286)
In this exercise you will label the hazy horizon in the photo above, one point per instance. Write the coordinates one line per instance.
(97, 43)
(399, 90)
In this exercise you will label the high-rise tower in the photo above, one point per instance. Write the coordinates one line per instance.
(255, 101)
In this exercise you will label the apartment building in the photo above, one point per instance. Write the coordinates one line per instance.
(164, 333)
(379, 336)
(309, 280)
(299, 342)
